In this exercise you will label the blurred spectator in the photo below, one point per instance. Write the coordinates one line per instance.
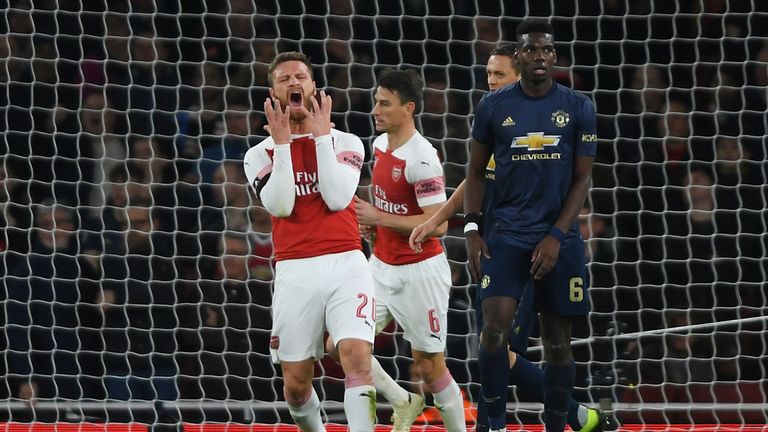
(99, 136)
(49, 310)
(140, 342)
(224, 321)
(232, 142)
(690, 241)
(230, 196)
(240, 22)
(260, 264)
(597, 236)
(701, 200)
(211, 79)
(435, 105)
(487, 36)
(15, 215)
(669, 367)
(738, 175)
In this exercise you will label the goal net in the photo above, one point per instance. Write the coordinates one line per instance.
(137, 266)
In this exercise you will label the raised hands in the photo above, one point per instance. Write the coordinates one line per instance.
(278, 124)
(278, 119)
(320, 117)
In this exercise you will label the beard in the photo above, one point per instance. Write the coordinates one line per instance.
(296, 114)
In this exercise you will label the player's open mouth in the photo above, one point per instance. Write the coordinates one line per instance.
(295, 98)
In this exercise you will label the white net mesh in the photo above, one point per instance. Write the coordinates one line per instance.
(137, 268)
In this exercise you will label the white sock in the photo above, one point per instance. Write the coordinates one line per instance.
(360, 408)
(307, 417)
(583, 414)
(451, 407)
(386, 386)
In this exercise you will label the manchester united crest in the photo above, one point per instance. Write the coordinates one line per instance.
(396, 173)
(560, 118)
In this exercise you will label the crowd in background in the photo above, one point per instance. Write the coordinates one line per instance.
(136, 264)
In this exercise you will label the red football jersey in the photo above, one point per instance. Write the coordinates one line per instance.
(404, 181)
(312, 229)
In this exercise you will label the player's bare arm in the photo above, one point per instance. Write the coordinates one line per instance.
(546, 252)
(479, 156)
(367, 214)
(427, 229)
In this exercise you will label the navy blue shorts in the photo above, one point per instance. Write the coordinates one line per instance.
(562, 291)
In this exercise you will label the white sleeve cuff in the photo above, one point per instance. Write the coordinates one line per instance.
(324, 139)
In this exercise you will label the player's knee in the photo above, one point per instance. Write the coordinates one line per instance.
(557, 352)
(494, 337)
(354, 354)
(355, 359)
(512, 359)
(297, 392)
(430, 367)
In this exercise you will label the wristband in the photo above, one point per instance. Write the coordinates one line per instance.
(470, 226)
(472, 218)
(556, 233)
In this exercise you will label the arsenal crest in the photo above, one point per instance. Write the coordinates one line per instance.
(396, 173)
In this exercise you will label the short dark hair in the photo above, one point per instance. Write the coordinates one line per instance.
(505, 49)
(286, 57)
(407, 84)
(534, 25)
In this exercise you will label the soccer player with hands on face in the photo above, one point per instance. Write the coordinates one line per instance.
(306, 174)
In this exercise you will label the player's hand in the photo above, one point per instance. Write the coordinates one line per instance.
(544, 256)
(366, 213)
(277, 125)
(320, 116)
(421, 233)
(475, 247)
(365, 231)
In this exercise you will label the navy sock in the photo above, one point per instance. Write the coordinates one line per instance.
(481, 422)
(573, 414)
(558, 388)
(494, 375)
(529, 378)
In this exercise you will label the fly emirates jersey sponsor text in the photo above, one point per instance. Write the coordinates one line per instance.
(404, 181)
(312, 229)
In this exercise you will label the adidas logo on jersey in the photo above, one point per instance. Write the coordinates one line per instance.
(508, 122)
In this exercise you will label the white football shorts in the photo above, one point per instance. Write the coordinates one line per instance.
(416, 296)
(333, 292)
